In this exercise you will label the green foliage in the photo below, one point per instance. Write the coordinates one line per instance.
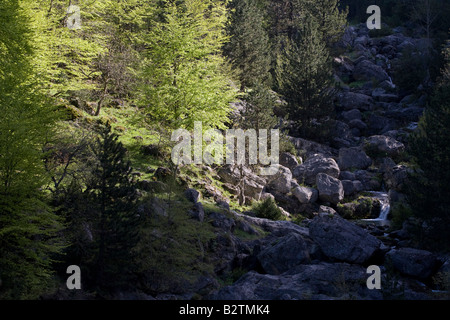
(267, 209)
(185, 76)
(28, 226)
(411, 70)
(305, 79)
(249, 47)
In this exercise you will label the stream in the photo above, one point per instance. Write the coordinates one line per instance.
(382, 219)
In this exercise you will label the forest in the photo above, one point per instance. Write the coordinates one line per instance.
(91, 93)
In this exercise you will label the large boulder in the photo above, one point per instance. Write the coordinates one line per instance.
(288, 160)
(284, 254)
(305, 194)
(353, 100)
(353, 158)
(342, 240)
(322, 281)
(368, 71)
(281, 181)
(233, 175)
(397, 177)
(413, 262)
(385, 145)
(330, 189)
(314, 165)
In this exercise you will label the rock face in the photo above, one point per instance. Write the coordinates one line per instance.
(288, 160)
(305, 194)
(285, 254)
(330, 189)
(353, 158)
(314, 165)
(413, 262)
(342, 240)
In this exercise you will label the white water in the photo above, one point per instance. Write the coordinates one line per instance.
(383, 197)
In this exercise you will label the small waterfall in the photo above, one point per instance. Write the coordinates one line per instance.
(382, 219)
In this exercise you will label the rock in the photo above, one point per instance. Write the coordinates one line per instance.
(352, 100)
(378, 124)
(359, 124)
(347, 175)
(326, 210)
(152, 186)
(353, 158)
(284, 254)
(368, 71)
(220, 221)
(396, 177)
(314, 165)
(322, 281)
(369, 180)
(253, 185)
(342, 240)
(385, 145)
(162, 173)
(349, 188)
(350, 115)
(192, 195)
(305, 194)
(413, 262)
(198, 213)
(281, 181)
(288, 160)
(330, 188)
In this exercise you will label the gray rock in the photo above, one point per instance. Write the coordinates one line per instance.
(281, 181)
(347, 175)
(314, 165)
(305, 194)
(192, 195)
(285, 254)
(288, 160)
(396, 177)
(413, 262)
(367, 71)
(220, 221)
(386, 145)
(326, 210)
(322, 281)
(350, 115)
(198, 213)
(349, 188)
(353, 158)
(353, 100)
(330, 189)
(357, 123)
(342, 240)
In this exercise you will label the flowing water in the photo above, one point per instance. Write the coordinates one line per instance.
(382, 219)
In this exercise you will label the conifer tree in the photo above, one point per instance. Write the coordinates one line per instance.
(304, 77)
(249, 46)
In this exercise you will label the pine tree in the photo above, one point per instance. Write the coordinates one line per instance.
(111, 195)
(429, 190)
(304, 77)
(185, 77)
(28, 226)
(249, 46)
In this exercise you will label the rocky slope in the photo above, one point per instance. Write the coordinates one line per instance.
(326, 256)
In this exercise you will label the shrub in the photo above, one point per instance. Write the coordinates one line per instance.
(267, 209)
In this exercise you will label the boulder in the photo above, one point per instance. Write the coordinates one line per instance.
(330, 189)
(397, 177)
(413, 262)
(198, 213)
(253, 184)
(314, 165)
(350, 115)
(343, 240)
(352, 100)
(368, 71)
(305, 194)
(288, 160)
(283, 254)
(385, 145)
(322, 281)
(354, 158)
(349, 188)
(192, 195)
(324, 210)
(281, 181)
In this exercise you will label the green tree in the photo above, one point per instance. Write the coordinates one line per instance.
(185, 77)
(249, 46)
(28, 226)
(304, 77)
(429, 191)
